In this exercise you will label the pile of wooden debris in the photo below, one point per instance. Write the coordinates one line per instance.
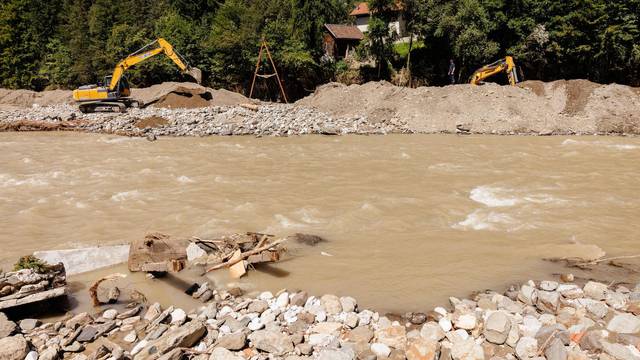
(238, 251)
(161, 253)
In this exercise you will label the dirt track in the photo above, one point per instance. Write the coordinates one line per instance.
(534, 107)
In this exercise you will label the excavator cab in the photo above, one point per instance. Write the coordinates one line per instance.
(123, 89)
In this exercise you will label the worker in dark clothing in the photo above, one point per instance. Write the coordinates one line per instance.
(452, 72)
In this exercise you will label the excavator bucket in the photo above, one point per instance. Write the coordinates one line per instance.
(195, 73)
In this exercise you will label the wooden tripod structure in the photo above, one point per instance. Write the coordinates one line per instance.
(264, 48)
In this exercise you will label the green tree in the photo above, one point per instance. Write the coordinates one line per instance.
(25, 30)
(75, 34)
(465, 26)
(310, 16)
(233, 44)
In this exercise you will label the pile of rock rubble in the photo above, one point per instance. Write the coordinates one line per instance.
(28, 285)
(263, 120)
(535, 321)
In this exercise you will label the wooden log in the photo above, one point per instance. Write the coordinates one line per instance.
(246, 254)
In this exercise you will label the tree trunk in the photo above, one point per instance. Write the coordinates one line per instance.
(409, 59)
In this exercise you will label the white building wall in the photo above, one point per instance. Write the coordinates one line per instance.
(362, 22)
(397, 26)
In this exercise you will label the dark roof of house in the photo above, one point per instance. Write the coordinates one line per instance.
(362, 8)
(345, 32)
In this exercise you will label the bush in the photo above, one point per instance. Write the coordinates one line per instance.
(31, 262)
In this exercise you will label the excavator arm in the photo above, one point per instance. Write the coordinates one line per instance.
(160, 46)
(503, 65)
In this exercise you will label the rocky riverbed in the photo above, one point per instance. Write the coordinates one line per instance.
(537, 320)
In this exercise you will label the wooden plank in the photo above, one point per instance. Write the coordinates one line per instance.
(238, 269)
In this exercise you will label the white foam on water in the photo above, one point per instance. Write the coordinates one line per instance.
(185, 179)
(502, 197)
(306, 215)
(125, 195)
(368, 207)
(492, 196)
(482, 220)
(287, 223)
(542, 199)
(623, 147)
(444, 167)
(605, 144)
(116, 140)
(570, 142)
(245, 207)
(7, 181)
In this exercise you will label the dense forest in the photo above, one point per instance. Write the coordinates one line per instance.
(66, 43)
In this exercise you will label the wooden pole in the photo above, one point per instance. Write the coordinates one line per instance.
(276, 72)
(255, 73)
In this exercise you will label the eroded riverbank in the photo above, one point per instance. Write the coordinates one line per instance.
(574, 107)
(411, 219)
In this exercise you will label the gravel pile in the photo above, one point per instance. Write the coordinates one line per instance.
(538, 320)
(264, 120)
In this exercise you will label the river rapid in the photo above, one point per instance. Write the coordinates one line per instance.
(410, 219)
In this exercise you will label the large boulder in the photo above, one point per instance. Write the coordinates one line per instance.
(422, 349)
(467, 350)
(331, 304)
(272, 341)
(394, 336)
(224, 354)
(624, 324)
(595, 290)
(527, 348)
(432, 331)
(235, 341)
(13, 348)
(7, 327)
(497, 327)
(184, 336)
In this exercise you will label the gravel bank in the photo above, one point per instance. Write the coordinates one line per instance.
(538, 320)
(575, 107)
(264, 120)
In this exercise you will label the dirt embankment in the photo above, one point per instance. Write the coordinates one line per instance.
(533, 107)
(173, 95)
(560, 107)
(170, 95)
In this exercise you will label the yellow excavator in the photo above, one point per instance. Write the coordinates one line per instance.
(506, 65)
(114, 93)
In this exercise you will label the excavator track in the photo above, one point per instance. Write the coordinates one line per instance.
(103, 106)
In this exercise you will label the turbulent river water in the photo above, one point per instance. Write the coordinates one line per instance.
(410, 219)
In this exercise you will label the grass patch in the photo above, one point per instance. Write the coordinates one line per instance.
(402, 49)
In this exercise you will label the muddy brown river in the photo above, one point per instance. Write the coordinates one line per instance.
(410, 219)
